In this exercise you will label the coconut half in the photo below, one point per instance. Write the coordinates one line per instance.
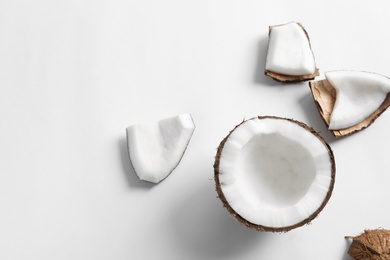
(274, 174)
(289, 56)
(350, 101)
(156, 149)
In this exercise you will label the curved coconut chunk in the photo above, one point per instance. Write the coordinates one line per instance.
(358, 95)
(276, 177)
(289, 51)
(156, 149)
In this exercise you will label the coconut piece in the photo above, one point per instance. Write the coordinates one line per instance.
(350, 101)
(289, 56)
(156, 149)
(371, 245)
(274, 174)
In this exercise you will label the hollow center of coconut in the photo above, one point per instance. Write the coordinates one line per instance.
(275, 172)
(276, 169)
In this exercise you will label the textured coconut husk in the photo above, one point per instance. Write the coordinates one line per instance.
(371, 245)
(324, 95)
(292, 78)
(257, 227)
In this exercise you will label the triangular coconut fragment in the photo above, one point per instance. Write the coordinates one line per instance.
(156, 149)
(289, 56)
(350, 101)
(372, 244)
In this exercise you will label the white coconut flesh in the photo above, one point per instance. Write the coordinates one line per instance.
(274, 172)
(289, 51)
(358, 95)
(156, 149)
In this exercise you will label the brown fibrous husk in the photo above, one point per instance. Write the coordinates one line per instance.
(258, 227)
(324, 95)
(292, 78)
(371, 245)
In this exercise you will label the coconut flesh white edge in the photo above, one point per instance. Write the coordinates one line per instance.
(155, 149)
(274, 172)
(358, 95)
(289, 51)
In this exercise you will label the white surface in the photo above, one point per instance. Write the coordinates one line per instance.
(75, 74)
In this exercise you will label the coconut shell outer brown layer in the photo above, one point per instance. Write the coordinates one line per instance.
(258, 227)
(291, 78)
(371, 245)
(324, 95)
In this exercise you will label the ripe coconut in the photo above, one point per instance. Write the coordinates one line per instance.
(289, 55)
(274, 174)
(372, 244)
(350, 101)
(155, 149)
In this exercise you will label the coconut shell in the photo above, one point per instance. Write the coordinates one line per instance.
(371, 245)
(324, 95)
(257, 227)
(291, 78)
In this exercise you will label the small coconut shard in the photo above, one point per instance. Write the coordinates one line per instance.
(274, 174)
(371, 245)
(156, 149)
(289, 56)
(350, 101)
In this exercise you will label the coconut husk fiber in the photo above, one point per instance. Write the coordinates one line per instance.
(371, 245)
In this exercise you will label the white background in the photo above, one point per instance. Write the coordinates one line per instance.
(75, 74)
